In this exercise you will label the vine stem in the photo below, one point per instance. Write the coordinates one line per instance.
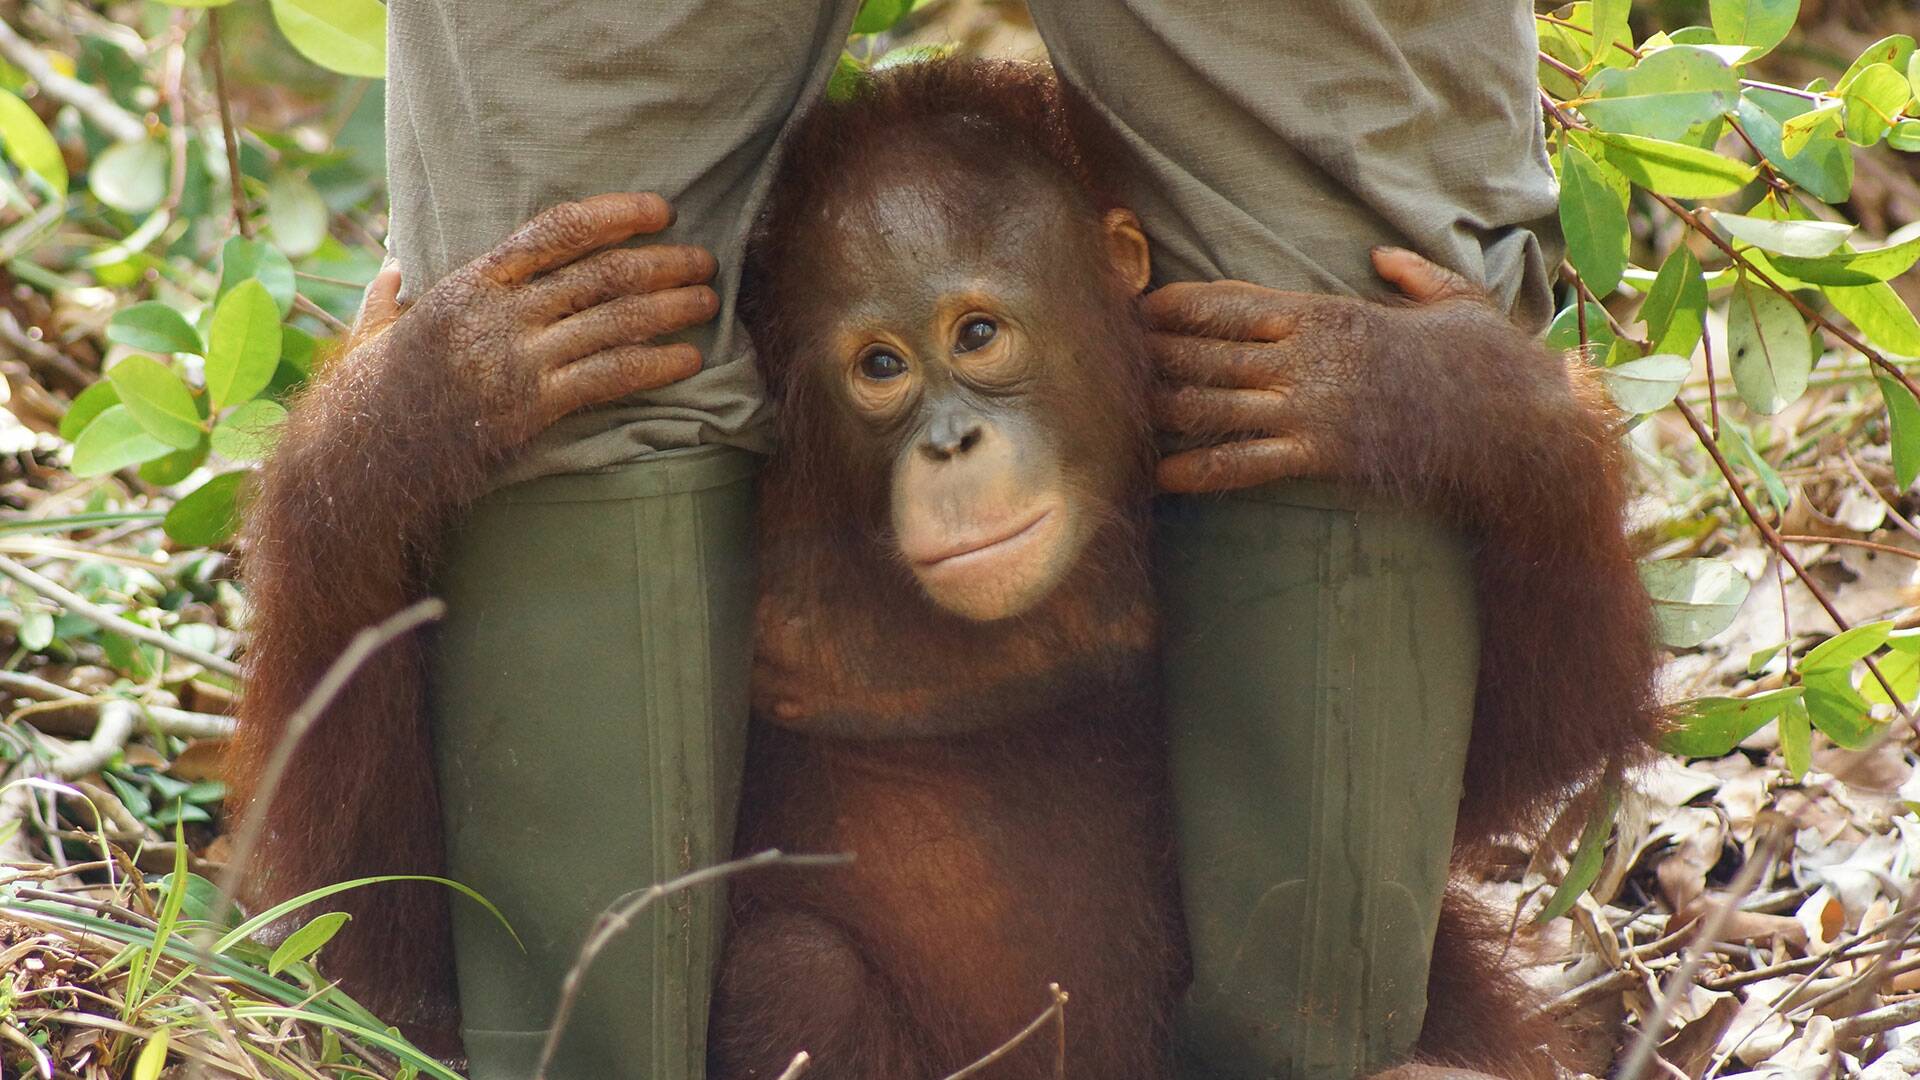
(240, 221)
(1779, 545)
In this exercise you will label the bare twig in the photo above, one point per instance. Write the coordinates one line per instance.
(107, 620)
(41, 355)
(109, 738)
(240, 221)
(1055, 1012)
(620, 915)
(1848, 541)
(119, 124)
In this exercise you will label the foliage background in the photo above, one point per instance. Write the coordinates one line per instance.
(192, 199)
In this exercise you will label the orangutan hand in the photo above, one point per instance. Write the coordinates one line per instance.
(546, 323)
(1261, 385)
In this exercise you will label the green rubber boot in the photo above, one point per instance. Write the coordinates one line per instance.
(1319, 665)
(590, 695)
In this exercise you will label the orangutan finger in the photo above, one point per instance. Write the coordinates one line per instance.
(1232, 310)
(1235, 465)
(625, 320)
(615, 373)
(563, 233)
(1200, 361)
(1420, 278)
(1211, 411)
(620, 272)
(381, 303)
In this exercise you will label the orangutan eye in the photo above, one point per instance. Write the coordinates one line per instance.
(881, 365)
(975, 334)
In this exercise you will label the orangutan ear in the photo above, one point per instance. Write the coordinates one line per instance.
(1127, 249)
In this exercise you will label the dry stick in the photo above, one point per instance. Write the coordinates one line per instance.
(1681, 977)
(363, 646)
(119, 124)
(620, 915)
(1713, 393)
(107, 620)
(1057, 1011)
(1779, 547)
(161, 718)
(240, 221)
(1848, 541)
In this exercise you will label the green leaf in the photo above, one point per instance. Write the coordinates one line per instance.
(849, 75)
(158, 400)
(1676, 169)
(306, 941)
(249, 432)
(196, 3)
(1796, 738)
(1903, 421)
(113, 441)
(1593, 220)
(1837, 709)
(1796, 133)
(347, 36)
(29, 144)
(1854, 267)
(1693, 599)
(243, 344)
(1584, 868)
(1824, 167)
(1806, 239)
(1648, 384)
(175, 467)
(1711, 727)
(1767, 348)
(1894, 50)
(1905, 136)
(1845, 649)
(155, 327)
(880, 15)
(1736, 443)
(296, 213)
(1679, 94)
(1761, 24)
(241, 259)
(1564, 333)
(1873, 102)
(36, 630)
(153, 1056)
(131, 176)
(209, 514)
(1879, 313)
(1610, 26)
(92, 401)
(1675, 303)
(1902, 669)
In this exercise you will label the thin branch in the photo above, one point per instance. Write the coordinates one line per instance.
(240, 221)
(1621, 45)
(1571, 73)
(1848, 541)
(119, 124)
(107, 620)
(1056, 1012)
(109, 738)
(620, 915)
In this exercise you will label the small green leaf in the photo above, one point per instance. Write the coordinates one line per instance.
(1676, 169)
(1564, 333)
(1593, 220)
(153, 1056)
(158, 400)
(1648, 384)
(241, 259)
(1874, 101)
(249, 432)
(1767, 348)
(113, 441)
(175, 467)
(1737, 444)
(1584, 868)
(849, 75)
(131, 176)
(1711, 727)
(1680, 94)
(307, 940)
(36, 630)
(879, 15)
(1837, 709)
(155, 327)
(196, 3)
(1845, 649)
(1905, 136)
(347, 36)
(1796, 133)
(1693, 599)
(1761, 24)
(1824, 167)
(209, 514)
(1903, 421)
(243, 344)
(1879, 313)
(296, 213)
(1796, 738)
(1894, 50)
(1846, 268)
(1675, 304)
(1805, 239)
(28, 143)
(1900, 668)
(92, 401)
